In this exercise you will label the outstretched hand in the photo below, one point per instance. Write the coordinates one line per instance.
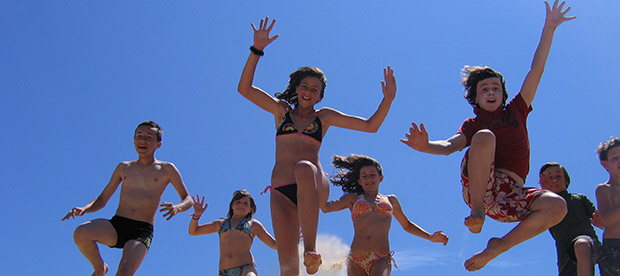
(199, 205)
(416, 138)
(171, 208)
(389, 83)
(75, 212)
(439, 236)
(555, 15)
(261, 35)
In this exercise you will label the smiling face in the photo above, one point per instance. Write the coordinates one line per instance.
(553, 179)
(241, 207)
(489, 95)
(309, 91)
(145, 140)
(369, 179)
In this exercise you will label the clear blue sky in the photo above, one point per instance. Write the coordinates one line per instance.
(78, 76)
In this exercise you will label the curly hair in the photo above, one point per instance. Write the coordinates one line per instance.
(237, 195)
(151, 124)
(471, 75)
(603, 149)
(290, 94)
(348, 171)
(554, 164)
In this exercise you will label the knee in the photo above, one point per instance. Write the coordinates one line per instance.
(582, 247)
(483, 138)
(557, 207)
(305, 169)
(81, 233)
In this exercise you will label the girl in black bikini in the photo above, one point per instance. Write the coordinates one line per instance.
(297, 170)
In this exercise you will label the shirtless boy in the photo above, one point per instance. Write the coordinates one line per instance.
(144, 181)
(608, 201)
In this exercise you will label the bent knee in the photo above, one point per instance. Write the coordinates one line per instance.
(582, 247)
(556, 206)
(483, 136)
(305, 167)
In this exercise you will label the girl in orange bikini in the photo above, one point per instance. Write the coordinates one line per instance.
(371, 212)
(300, 130)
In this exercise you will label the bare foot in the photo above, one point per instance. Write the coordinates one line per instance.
(312, 261)
(101, 273)
(480, 259)
(475, 221)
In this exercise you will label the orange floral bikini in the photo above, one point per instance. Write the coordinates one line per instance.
(367, 259)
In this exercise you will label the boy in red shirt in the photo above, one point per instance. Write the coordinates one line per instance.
(497, 162)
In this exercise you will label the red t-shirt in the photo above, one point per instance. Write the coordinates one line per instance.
(512, 149)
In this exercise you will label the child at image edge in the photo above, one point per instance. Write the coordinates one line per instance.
(608, 201)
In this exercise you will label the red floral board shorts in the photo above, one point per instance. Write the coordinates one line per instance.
(504, 199)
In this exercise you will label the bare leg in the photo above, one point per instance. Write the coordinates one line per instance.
(133, 255)
(381, 268)
(86, 237)
(286, 230)
(249, 271)
(308, 211)
(583, 252)
(481, 156)
(547, 210)
(353, 269)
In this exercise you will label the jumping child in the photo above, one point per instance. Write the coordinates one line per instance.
(371, 212)
(496, 164)
(236, 231)
(575, 239)
(143, 183)
(608, 201)
(299, 186)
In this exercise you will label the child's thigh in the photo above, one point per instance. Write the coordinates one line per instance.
(382, 267)
(249, 270)
(99, 230)
(133, 254)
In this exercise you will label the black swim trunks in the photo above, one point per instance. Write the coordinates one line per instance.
(129, 229)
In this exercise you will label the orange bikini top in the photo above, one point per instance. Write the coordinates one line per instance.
(362, 206)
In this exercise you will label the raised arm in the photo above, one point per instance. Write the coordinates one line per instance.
(100, 201)
(199, 207)
(263, 235)
(345, 201)
(179, 186)
(411, 227)
(246, 87)
(555, 16)
(417, 139)
(372, 124)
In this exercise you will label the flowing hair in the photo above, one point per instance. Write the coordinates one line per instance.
(348, 171)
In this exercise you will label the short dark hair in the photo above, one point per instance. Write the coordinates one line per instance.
(471, 75)
(151, 124)
(554, 164)
(603, 149)
(237, 195)
(290, 94)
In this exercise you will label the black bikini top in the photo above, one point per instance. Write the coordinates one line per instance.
(314, 130)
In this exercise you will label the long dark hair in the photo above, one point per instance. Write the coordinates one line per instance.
(237, 195)
(290, 94)
(348, 171)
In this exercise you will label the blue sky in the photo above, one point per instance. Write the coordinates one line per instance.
(78, 76)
